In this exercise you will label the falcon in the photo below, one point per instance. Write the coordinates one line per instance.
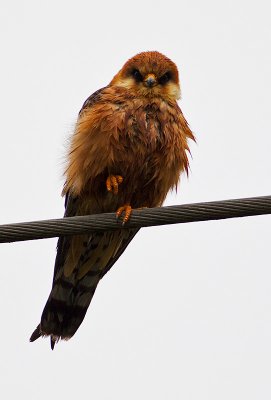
(128, 150)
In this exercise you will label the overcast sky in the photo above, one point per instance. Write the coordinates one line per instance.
(186, 311)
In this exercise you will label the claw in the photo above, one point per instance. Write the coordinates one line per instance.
(127, 210)
(113, 182)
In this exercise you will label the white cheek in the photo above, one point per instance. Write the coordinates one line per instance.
(127, 83)
(174, 90)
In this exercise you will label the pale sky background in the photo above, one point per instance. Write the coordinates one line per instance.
(186, 311)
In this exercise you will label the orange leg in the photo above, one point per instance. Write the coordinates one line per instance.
(113, 182)
(126, 210)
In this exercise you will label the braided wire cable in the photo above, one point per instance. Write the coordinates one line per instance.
(213, 210)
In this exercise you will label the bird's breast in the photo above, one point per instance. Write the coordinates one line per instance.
(143, 140)
(147, 150)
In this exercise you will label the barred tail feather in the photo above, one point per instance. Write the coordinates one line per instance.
(77, 274)
(66, 307)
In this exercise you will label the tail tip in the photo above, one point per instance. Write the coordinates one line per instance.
(52, 343)
(36, 334)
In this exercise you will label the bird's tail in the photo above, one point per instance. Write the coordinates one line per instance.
(66, 306)
(80, 264)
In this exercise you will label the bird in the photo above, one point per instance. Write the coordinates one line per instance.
(128, 150)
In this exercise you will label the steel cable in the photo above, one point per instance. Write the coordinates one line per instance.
(214, 210)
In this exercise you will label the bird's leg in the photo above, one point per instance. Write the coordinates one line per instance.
(113, 182)
(126, 210)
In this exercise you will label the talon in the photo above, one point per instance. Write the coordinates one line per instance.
(113, 182)
(127, 210)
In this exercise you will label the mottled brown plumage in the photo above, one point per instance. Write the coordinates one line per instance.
(128, 150)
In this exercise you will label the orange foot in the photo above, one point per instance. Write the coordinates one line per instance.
(113, 182)
(127, 210)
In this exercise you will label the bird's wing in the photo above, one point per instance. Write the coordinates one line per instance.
(92, 99)
(71, 203)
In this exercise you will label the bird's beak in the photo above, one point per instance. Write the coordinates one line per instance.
(150, 80)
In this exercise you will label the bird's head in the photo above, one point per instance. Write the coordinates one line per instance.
(149, 74)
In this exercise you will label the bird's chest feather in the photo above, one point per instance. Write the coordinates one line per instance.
(146, 151)
(144, 133)
(144, 142)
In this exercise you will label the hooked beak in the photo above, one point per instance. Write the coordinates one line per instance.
(150, 80)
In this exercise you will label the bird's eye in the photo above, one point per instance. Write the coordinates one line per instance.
(137, 75)
(164, 78)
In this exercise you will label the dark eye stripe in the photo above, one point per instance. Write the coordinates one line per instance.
(164, 78)
(137, 75)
